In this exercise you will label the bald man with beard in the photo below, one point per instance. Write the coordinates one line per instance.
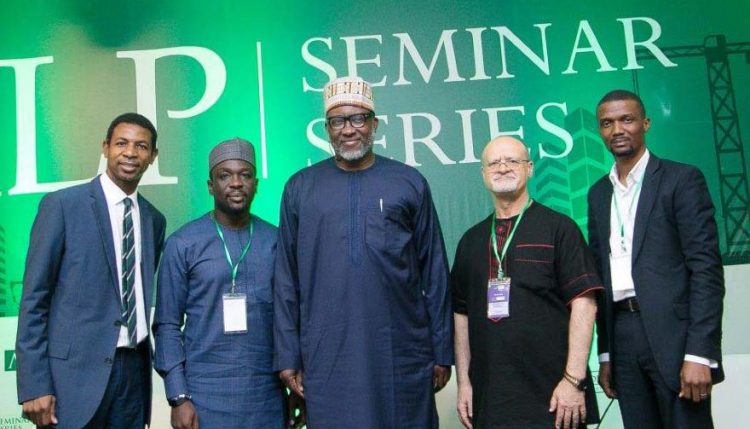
(523, 286)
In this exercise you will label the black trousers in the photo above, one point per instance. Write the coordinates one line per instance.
(645, 399)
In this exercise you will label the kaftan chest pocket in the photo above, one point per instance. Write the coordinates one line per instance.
(386, 229)
(260, 288)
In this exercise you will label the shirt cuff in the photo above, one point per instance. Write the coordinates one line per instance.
(703, 361)
(604, 357)
(175, 383)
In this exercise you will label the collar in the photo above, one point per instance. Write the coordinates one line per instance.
(635, 175)
(113, 194)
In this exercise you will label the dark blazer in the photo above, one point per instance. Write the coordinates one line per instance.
(676, 266)
(69, 320)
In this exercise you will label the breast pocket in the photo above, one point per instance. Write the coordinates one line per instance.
(535, 262)
(260, 287)
(386, 229)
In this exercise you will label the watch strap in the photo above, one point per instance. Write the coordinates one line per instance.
(178, 400)
(579, 383)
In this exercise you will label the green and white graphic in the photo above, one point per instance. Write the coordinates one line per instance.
(447, 76)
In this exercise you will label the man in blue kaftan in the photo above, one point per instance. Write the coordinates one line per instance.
(362, 311)
(216, 276)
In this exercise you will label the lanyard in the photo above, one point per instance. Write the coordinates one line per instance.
(636, 192)
(234, 267)
(501, 256)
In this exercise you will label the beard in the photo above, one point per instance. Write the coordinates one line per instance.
(365, 147)
(231, 208)
(624, 147)
(504, 186)
(623, 152)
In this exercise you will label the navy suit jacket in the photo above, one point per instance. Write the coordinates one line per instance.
(69, 320)
(676, 266)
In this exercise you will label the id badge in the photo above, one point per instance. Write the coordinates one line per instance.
(498, 298)
(621, 264)
(235, 313)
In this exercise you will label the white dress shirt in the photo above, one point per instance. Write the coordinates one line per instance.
(621, 246)
(116, 208)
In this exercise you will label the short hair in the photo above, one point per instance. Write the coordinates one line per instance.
(621, 95)
(136, 119)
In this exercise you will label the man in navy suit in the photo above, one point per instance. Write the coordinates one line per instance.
(83, 350)
(654, 237)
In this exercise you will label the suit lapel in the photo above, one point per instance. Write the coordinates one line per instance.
(101, 214)
(649, 191)
(605, 225)
(147, 251)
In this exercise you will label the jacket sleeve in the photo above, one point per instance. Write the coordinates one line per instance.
(595, 245)
(43, 261)
(696, 226)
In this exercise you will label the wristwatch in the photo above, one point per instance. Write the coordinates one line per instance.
(580, 384)
(179, 400)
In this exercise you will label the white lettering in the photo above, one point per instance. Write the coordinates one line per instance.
(444, 44)
(585, 29)
(541, 63)
(145, 85)
(494, 121)
(351, 56)
(476, 42)
(630, 43)
(382, 119)
(428, 140)
(317, 63)
(26, 168)
(554, 129)
(469, 156)
(315, 140)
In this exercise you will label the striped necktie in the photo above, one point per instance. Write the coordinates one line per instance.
(128, 273)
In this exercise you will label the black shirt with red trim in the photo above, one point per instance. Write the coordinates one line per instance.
(516, 362)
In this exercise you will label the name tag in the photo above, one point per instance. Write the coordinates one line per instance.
(498, 298)
(235, 313)
(620, 267)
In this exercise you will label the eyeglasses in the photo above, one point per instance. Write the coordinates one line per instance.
(513, 164)
(356, 120)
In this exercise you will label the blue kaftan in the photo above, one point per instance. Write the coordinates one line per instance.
(230, 377)
(361, 295)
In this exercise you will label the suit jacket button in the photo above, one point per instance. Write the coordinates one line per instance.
(118, 323)
(108, 361)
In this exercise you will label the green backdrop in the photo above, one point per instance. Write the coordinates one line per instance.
(448, 76)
